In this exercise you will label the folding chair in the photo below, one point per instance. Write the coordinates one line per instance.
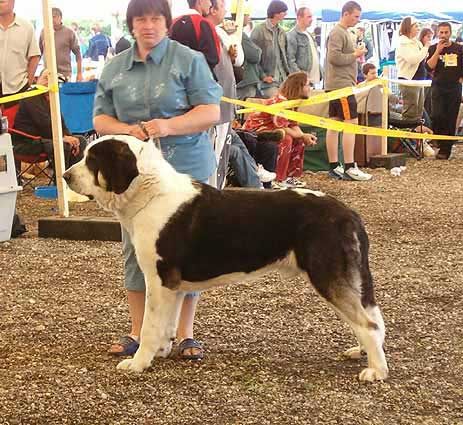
(414, 147)
(76, 101)
(38, 161)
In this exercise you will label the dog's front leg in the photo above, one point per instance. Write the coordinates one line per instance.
(151, 328)
(155, 340)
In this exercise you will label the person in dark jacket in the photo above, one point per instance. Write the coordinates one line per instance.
(249, 86)
(34, 118)
(121, 45)
(196, 32)
(98, 45)
(271, 38)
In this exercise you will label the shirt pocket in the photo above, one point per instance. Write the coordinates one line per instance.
(17, 58)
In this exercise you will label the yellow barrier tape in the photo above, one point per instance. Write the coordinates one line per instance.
(340, 126)
(320, 98)
(37, 90)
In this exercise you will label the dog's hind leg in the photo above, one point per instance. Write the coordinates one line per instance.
(343, 278)
(368, 326)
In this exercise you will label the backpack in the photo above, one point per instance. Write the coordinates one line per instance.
(187, 30)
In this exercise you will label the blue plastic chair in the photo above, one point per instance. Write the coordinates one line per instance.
(76, 101)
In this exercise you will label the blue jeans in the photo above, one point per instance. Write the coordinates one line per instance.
(242, 163)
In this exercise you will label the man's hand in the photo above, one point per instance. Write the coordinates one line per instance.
(233, 52)
(360, 52)
(309, 139)
(267, 79)
(74, 142)
(136, 131)
(157, 128)
(441, 45)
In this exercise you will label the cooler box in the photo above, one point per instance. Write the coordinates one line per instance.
(8, 187)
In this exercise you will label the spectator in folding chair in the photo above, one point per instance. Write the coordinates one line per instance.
(291, 147)
(34, 118)
(244, 170)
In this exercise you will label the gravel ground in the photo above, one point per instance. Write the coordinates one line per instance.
(272, 346)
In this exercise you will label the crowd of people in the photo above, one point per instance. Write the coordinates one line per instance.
(168, 84)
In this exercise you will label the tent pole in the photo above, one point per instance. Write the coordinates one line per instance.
(385, 110)
(57, 130)
(240, 5)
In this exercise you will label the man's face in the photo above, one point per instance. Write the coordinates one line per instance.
(203, 7)
(278, 17)
(444, 33)
(306, 19)
(6, 7)
(372, 75)
(218, 12)
(57, 20)
(352, 19)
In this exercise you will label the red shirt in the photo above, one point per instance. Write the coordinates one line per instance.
(263, 121)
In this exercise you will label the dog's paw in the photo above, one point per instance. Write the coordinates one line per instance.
(370, 375)
(131, 365)
(354, 353)
(164, 349)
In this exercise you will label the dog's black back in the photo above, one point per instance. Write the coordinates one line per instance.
(222, 232)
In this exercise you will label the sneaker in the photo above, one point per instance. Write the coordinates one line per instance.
(292, 182)
(337, 173)
(264, 175)
(334, 175)
(271, 135)
(354, 173)
(339, 170)
(428, 151)
(278, 185)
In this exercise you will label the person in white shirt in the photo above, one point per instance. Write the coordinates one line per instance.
(302, 49)
(410, 59)
(19, 51)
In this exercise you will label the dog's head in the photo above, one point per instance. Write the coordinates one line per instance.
(109, 166)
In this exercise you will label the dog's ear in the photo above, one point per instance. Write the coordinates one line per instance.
(113, 164)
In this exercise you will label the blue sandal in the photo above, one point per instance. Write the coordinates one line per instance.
(126, 346)
(189, 343)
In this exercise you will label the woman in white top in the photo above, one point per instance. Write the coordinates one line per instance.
(410, 57)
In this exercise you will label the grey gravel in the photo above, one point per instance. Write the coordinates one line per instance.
(272, 346)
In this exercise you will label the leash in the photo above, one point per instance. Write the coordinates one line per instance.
(149, 138)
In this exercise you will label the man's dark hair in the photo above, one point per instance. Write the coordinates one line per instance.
(275, 7)
(444, 24)
(192, 3)
(350, 7)
(213, 4)
(56, 11)
(145, 7)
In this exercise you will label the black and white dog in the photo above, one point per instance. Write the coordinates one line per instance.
(189, 236)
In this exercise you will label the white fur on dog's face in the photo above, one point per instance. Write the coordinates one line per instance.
(87, 176)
